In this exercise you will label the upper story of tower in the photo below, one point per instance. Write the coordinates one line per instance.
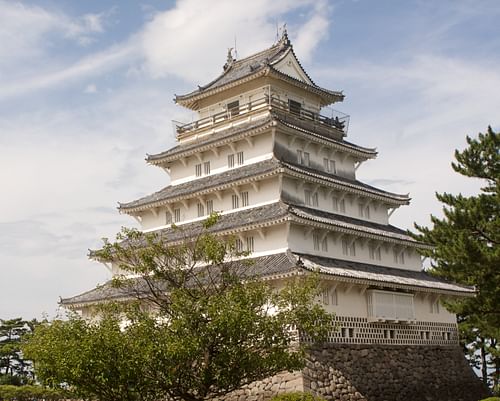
(271, 81)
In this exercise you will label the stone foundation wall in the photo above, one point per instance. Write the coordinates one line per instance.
(375, 373)
(391, 373)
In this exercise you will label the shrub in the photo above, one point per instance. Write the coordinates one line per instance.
(297, 396)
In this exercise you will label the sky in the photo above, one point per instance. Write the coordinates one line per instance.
(86, 91)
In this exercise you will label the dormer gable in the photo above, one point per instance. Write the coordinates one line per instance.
(289, 65)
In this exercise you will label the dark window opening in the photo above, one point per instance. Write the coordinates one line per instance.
(294, 106)
(233, 108)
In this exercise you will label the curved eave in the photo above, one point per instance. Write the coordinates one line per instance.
(157, 160)
(393, 199)
(358, 151)
(123, 208)
(358, 230)
(191, 100)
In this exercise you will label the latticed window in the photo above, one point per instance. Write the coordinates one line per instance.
(324, 244)
(177, 215)
(342, 205)
(329, 296)
(235, 201)
(374, 251)
(238, 245)
(210, 206)
(434, 306)
(307, 197)
(329, 165)
(201, 209)
(335, 204)
(206, 167)
(315, 201)
(316, 241)
(307, 160)
(399, 256)
(348, 247)
(244, 199)
(386, 305)
(197, 170)
(168, 218)
(240, 158)
(250, 244)
(300, 158)
(294, 106)
(230, 160)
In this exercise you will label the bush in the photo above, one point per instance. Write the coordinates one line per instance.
(297, 396)
(28, 392)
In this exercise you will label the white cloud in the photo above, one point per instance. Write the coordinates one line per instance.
(190, 40)
(90, 88)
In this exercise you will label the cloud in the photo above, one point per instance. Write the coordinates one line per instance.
(190, 39)
(90, 88)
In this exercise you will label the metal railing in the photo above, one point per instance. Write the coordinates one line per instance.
(338, 120)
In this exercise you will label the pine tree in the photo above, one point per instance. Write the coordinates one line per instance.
(466, 250)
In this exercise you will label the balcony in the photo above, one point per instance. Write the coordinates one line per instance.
(338, 120)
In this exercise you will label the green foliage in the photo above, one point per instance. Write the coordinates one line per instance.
(14, 368)
(466, 249)
(31, 392)
(491, 399)
(202, 324)
(296, 396)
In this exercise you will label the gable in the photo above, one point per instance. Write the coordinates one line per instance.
(290, 66)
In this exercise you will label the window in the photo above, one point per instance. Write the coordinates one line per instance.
(399, 256)
(329, 165)
(236, 201)
(324, 244)
(244, 199)
(386, 305)
(168, 218)
(360, 209)
(375, 253)
(233, 108)
(240, 158)
(303, 158)
(206, 167)
(249, 241)
(367, 212)
(329, 296)
(300, 159)
(294, 106)
(197, 169)
(177, 215)
(315, 201)
(434, 306)
(348, 248)
(230, 160)
(307, 197)
(201, 209)
(307, 161)
(342, 205)
(335, 204)
(210, 206)
(238, 244)
(316, 241)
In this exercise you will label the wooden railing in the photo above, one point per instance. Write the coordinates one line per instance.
(339, 120)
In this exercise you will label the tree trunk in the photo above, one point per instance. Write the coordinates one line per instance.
(484, 363)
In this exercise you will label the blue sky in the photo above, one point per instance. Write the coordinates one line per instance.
(86, 92)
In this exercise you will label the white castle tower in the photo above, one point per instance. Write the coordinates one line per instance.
(283, 178)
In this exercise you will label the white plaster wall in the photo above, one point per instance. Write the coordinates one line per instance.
(423, 312)
(266, 192)
(301, 241)
(295, 188)
(344, 163)
(260, 149)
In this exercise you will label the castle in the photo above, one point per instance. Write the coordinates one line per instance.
(283, 177)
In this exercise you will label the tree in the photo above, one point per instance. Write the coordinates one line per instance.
(202, 324)
(14, 369)
(466, 249)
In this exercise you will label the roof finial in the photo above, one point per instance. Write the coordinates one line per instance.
(230, 58)
(284, 35)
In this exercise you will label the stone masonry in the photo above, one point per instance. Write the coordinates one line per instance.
(376, 373)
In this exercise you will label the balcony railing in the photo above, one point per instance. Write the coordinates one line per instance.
(338, 120)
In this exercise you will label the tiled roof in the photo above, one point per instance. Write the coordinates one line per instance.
(270, 265)
(250, 173)
(203, 185)
(284, 263)
(251, 66)
(304, 128)
(351, 223)
(372, 273)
